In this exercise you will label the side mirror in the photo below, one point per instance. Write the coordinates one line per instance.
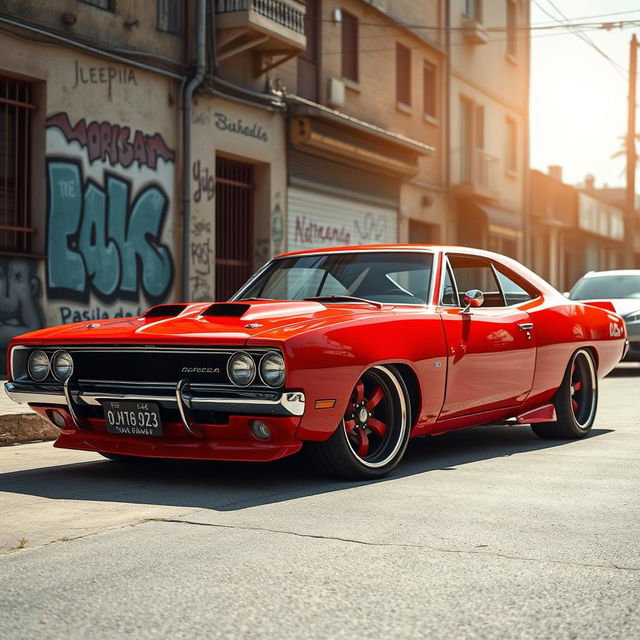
(472, 298)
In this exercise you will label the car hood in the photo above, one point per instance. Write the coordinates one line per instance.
(623, 306)
(226, 323)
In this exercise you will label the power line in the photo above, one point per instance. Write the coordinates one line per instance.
(567, 24)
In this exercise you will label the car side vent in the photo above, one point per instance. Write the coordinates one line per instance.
(165, 310)
(226, 310)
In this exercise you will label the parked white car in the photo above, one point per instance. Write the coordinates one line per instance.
(622, 289)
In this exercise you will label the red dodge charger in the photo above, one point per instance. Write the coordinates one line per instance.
(349, 351)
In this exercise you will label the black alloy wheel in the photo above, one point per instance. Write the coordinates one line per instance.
(372, 436)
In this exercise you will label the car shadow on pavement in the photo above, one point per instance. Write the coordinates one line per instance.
(223, 486)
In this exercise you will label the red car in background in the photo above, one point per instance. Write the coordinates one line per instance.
(350, 351)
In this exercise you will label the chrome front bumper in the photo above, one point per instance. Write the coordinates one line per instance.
(181, 397)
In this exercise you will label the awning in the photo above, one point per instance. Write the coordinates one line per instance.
(502, 221)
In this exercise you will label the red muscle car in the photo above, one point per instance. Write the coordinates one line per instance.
(350, 351)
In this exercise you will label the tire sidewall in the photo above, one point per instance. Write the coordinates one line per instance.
(564, 411)
(349, 460)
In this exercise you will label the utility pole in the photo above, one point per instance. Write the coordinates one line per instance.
(630, 226)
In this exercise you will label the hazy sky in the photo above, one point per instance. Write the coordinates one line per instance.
(578, 97)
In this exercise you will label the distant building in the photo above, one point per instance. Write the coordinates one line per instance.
(573, 230)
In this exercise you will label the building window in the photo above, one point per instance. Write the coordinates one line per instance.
(512, 38)
(430, 90)
(15, 112)
(403, 74)
(107, 5)
(472, 141)
(472, 9)
(511, 158)
(169, 14)
(349, 47)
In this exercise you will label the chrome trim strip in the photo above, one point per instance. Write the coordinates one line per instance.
(289, 403)
(70, 405)
(184, 407)
(142, 348)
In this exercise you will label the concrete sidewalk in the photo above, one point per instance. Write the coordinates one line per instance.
(19, 424)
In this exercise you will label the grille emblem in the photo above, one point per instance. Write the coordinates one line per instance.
(200, 370)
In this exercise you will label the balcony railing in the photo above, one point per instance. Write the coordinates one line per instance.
(478, 175)
(272, 29)
(286, 14)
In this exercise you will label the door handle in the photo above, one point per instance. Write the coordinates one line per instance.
(526, 326)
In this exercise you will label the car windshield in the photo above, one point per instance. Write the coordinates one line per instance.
(393, 278)
(607, 287)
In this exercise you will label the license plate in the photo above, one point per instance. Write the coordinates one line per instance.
(132, 418)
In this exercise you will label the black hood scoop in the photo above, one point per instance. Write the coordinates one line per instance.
(165, 310)
(226, 310)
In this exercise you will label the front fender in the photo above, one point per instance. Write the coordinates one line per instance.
(326, 364)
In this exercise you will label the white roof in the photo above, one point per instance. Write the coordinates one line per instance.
(618, 272)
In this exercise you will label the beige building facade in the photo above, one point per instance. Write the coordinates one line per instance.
(489, 93)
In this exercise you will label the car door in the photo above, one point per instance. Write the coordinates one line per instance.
(491, 348)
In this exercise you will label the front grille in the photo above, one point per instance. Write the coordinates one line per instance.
(151, 366)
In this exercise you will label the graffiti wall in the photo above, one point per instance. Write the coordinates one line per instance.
(110, 200)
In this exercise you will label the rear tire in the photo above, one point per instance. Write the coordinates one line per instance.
(372, 437)
(575, 400)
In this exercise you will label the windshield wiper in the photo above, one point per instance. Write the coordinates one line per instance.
(253, 298)
(338, 298)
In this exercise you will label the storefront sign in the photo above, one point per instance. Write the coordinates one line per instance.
(238, 125)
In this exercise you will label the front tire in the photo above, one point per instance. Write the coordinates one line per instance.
(575, 400)
(373, 434)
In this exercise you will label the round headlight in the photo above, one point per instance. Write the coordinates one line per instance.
(62, 365)
(272, 369)
(38, 365)
(241, 369)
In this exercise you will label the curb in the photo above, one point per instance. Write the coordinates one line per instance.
(18, 428)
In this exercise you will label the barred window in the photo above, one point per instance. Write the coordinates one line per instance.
(169, 16)
(107, 5)
(15, 220)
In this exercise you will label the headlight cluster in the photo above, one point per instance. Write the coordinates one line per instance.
(242, 369)
(41, 364)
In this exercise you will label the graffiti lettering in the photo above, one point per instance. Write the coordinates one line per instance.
(373, 228)
(204, 181)
(69, 314)
(100, 242)
(307, 231)
(104, 75)
(277, 225)
(224, 123)
(200, 118)
(200, 289)
(199, 227)
(104, 140)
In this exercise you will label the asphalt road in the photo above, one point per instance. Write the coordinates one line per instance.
(487, 533)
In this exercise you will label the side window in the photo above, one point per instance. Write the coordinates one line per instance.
(471, 272)
(514, 292)
(449, 293)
